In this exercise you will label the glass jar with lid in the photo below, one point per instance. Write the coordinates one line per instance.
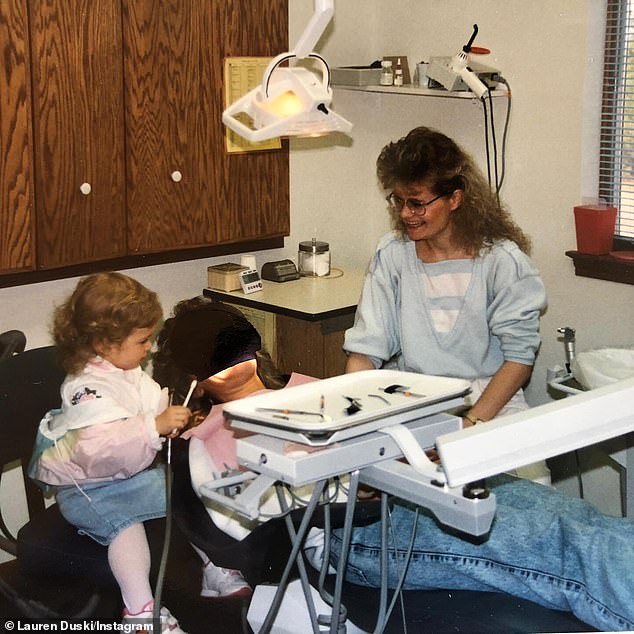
(313, 258)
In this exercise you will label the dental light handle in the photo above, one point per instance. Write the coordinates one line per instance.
(279, 59)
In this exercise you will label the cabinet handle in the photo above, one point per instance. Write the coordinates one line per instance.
(85, 188)
(176, 176)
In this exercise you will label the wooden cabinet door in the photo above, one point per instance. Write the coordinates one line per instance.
(254, 199)
(314, 348)
(183, 189)
(16, 180)
(78, 130)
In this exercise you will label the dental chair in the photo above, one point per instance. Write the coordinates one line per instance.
(11, 342)
(46, 549)
(59, 573)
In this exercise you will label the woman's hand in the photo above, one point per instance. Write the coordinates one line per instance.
(505, 383)
(171, 420)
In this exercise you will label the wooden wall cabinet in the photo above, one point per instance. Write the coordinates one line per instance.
(174, 100)
(17, 246)
(126, 153)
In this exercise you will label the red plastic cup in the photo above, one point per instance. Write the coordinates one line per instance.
(595, 225)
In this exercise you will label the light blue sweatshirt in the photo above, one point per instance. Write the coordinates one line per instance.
(456, 318)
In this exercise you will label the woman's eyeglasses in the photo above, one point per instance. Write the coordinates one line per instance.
(414, 205)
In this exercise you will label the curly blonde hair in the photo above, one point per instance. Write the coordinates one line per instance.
(425, 156)
(104, 308)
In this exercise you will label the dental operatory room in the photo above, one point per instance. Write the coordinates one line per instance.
(317, 316)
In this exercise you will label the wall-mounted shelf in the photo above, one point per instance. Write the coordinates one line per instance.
(602, 267)
(417, 90)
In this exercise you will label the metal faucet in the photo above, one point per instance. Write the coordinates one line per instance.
(569, 343)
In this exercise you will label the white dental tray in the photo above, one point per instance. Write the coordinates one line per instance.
(315, 413)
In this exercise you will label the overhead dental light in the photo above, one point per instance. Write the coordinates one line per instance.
(290, 101)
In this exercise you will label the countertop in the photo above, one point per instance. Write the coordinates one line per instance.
(308, 298)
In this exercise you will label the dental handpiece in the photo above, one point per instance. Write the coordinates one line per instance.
(185, 403)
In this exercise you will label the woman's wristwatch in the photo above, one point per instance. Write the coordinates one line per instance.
(474, 420)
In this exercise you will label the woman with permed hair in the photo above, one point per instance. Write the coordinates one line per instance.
(451, 291)
(427, 156)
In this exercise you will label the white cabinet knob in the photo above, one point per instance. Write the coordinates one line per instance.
(176, 176)
(85, 188)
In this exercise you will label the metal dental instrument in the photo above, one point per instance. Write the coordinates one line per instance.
(354, 407)
(400, 389)
(286, 412)
(382, 398)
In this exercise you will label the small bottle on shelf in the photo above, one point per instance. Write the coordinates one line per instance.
(387, 76)
(398, 73)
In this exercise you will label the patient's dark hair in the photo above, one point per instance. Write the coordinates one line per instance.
(174, 370)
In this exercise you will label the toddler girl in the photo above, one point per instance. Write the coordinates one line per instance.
(103, 442)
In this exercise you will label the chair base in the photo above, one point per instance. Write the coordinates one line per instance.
(445, 611)
(43, 597)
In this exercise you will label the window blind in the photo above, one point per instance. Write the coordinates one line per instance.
(616, 161)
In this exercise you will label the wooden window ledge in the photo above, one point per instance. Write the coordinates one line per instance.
(604, 267)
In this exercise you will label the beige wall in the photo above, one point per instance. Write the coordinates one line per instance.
(551, 53)
(549, 50)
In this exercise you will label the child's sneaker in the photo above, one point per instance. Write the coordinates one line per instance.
(222, 582)
(169, 625)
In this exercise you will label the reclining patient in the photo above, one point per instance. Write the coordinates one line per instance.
(215, 344)
(543, 546)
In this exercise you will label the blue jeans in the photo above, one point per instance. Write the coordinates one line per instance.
(543, 546)
(107, 508)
